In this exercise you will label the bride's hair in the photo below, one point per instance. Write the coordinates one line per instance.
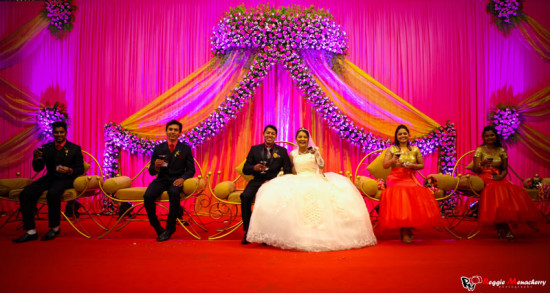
(302, 130)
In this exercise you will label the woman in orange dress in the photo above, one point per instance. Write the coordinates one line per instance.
(405, 204)
(502, 203)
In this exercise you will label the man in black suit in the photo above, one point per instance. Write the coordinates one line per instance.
(264, 161)
(64, 162)
(173, 162)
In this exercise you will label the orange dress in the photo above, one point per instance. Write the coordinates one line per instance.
(501, 201)
(405, 203)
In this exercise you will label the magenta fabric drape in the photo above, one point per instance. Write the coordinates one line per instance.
(443, 57)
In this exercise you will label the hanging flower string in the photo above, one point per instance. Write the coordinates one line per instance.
(61, 15)
(279, 35)
(48, 115)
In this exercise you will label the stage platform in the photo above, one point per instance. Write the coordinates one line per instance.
(131, 260)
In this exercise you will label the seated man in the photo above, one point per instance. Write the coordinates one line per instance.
(64, 162)
(264, 167)
(173, 162)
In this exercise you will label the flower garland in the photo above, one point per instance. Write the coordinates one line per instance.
(506, 120)
(48, 115)
(116, 137)
(61, 15)
(276, 35)
(278, 31)
(506, 13)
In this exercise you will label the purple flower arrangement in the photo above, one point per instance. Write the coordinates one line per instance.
(61, 15)
(48, 115)
(506, 120)
(506, 13)
(279, 36)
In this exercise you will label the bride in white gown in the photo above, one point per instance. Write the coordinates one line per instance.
(310, 211)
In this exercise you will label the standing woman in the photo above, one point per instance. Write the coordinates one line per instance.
(405, 204)
(502, 203)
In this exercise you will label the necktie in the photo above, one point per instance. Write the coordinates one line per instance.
(268, 153)
(172, 146)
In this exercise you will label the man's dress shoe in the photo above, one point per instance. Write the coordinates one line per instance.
(165, 235)
(244, 241)
(50, 235)
(26, 238)
(159, 231)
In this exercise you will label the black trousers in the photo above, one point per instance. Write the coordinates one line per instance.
(247, 198)
(154, 190)
(30, 195)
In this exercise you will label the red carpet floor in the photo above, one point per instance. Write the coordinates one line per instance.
(132, 261)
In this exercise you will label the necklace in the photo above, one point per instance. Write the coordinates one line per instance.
(302, 153)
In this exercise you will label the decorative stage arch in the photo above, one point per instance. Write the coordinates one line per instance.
(311, 46)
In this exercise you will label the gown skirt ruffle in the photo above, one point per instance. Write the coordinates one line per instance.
(311, 212)
(404, 203)
(503, 202)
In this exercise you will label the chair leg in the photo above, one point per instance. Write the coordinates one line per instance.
(118, 221)
(93, 218)
(452, 233)
(74, 227)
(12, 215)
(229, 231)
(473, 234)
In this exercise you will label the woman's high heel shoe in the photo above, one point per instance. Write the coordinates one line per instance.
(500, 233)
(510, 236)
(501, 230)
(410, 233)
(406, 235)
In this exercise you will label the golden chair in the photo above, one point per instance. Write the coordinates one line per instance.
(371, 188)
(119, 190)
(470, 187)
(228, 200)
(83, 186)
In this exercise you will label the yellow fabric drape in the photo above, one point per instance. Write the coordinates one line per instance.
(18, 147)
(19, 108)
(371, 105)
(13, 47)
(16, 104)
(536, 142)
(537, 104)
(537, 36)
(535, 107)
(189, 93)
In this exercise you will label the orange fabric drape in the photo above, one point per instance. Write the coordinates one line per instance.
(22, 42)
(20, 109)
(537, 36)
(535, 107)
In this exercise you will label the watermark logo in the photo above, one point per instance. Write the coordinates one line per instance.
(470, 283)
(511, 283)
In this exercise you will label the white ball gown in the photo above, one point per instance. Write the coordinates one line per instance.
(310, 212)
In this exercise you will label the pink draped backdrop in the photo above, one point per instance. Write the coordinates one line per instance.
(446, 58)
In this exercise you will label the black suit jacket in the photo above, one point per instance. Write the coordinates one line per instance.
(69, 156)
(279, 160)
(180, 162)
